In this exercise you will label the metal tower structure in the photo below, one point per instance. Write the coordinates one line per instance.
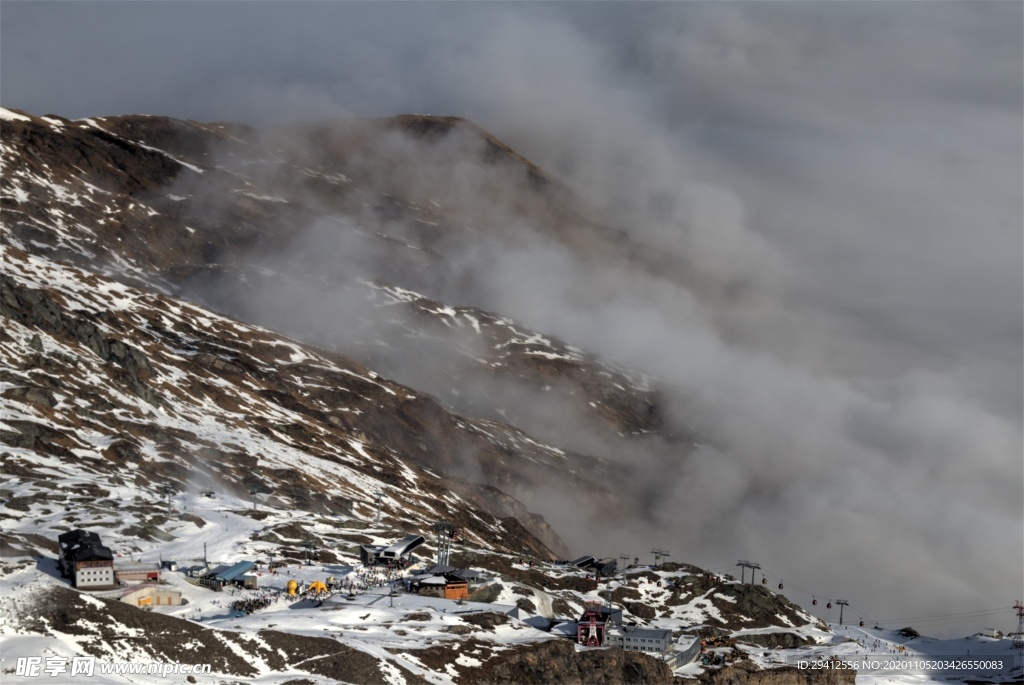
(379, 494)
(747, 564)
(168, 490)
(658, 554)
(254, 490)
(841, 603)
(1018, 637)
(624, 558)
(445, 531)
(310, 550)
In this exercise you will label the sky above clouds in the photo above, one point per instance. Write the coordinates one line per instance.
(853, 170)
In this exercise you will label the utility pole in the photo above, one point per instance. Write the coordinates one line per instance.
(624, 558)
(379, 494)
(841, 603)
(743, 564)
(254, 491)
(753, 572)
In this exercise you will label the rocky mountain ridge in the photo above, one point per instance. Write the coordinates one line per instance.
(197, 308)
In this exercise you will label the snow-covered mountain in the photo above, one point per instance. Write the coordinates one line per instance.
(100, 195)
(226, 341)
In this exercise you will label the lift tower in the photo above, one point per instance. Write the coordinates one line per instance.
(1018, 637)
(841, 603)
(445, 531)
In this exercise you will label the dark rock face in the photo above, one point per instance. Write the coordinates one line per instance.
(640, 610)
(755, 607)
(40, 397)
(780, 640)
(236, 369)
(486, 620)
(39, 310)
(186, 205)
(557, 661)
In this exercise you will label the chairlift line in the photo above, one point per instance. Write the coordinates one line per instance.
(967, 614)
(938, 618)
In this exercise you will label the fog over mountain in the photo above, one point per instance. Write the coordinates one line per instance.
(834, 191)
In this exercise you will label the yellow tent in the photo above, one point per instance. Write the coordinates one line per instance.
(317, 588)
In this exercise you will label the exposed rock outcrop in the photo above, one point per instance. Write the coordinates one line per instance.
(557, 661)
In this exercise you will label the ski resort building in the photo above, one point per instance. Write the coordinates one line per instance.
(630, 638)
(230, 575)
(397, 552)
(125, 572)
(148, 596)
(401, 549)
(583, 562)
(601, 567)
(685, 652)
(447, 586)
(85, 560)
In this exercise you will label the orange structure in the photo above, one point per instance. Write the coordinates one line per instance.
(456, 590)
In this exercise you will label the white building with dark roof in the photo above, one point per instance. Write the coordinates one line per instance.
(652, 640)
(85, 560)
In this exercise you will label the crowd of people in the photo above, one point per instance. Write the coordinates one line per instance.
(371, 577)
(254, 603)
